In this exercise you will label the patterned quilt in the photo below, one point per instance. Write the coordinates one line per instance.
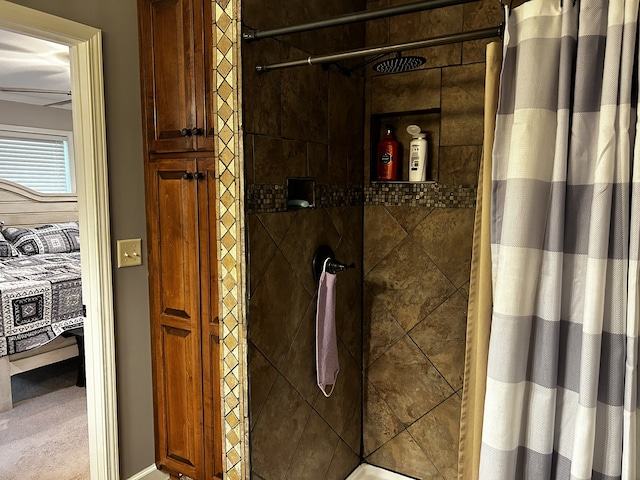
(40, 297)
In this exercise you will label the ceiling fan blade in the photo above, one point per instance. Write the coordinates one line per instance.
(34, 90)
(56, 104)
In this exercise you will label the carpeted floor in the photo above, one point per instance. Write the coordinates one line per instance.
(45, 437)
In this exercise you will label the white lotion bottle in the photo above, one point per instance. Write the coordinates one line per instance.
(417, 155)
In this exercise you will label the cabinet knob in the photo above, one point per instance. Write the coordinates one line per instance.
(186, 132)
(187, 175)
(197, 131)
(198, 175)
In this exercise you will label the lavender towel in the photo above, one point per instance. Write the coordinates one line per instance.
(327, 365)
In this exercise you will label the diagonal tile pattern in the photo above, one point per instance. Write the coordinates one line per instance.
(274, 323)
(441, 336)
(437, 434)
(231, 230)
(282, 338)
(415, 305)
(407, 381)
(409, 284)
(297, 123)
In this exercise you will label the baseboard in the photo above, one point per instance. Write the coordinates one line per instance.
(150, 473)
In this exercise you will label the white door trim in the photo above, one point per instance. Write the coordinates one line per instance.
(85, 46)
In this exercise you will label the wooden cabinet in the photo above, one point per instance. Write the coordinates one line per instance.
(176, 60)
(182, 275)
(181, 198)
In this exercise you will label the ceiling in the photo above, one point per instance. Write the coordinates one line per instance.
(28, 63)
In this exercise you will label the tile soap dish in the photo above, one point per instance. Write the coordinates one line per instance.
(301, 193)
(296, 204)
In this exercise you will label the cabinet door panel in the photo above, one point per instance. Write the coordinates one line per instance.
(177, 243)
(167, 54)
(210, 323)
(177, 349)
(174, 273)
(204, 87)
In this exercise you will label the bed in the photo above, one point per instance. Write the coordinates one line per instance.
(40, 282)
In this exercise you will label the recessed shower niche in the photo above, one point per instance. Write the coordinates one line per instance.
(429, 122)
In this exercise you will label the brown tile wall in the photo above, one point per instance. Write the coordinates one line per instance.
(415, 299)
(449, 88)
(295, 431)
(416, 254)
(302, 122)
(305, 121)
(417, 258)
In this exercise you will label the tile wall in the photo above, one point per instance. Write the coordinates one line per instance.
(295, 431)
(416, 283)
(302, 122)
(417, 245)
(408, 298)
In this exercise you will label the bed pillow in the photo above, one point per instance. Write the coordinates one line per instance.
(6, 248)
(54, 238)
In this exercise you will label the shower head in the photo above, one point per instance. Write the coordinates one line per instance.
(399, 64)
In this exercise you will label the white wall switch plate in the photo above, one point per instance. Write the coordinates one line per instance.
(129, 252)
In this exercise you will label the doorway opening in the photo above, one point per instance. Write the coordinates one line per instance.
(85, 50)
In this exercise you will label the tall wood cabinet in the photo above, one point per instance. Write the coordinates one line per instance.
(180, 177)
(175, 42)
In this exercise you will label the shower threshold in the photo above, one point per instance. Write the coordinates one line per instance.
(369, 472)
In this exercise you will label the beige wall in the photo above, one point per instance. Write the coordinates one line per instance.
(118, 21)
(12, 113)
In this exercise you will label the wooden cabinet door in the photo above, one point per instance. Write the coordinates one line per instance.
(174, 274)
(175, 54)
(207, 201)
(203, 70)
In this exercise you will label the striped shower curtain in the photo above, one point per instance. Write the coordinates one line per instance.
(562, 378)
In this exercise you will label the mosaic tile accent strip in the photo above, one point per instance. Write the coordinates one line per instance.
(421, 194)
(268, 198)
(231, 245)
(339, 195)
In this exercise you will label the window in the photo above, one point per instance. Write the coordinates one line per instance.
(39, 159)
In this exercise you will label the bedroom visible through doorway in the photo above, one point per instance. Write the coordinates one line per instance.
(84, 44)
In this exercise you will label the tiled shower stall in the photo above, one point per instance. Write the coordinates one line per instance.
(401, 312)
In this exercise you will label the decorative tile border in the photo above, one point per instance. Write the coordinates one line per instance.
(338, 195)
(235, 444)
(421, 195)
(268, 198)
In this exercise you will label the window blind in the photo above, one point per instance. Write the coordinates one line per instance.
(41, 164)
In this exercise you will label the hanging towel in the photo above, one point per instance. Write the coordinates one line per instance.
(327, 365)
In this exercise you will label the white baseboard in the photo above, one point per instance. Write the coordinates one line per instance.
(150, 473)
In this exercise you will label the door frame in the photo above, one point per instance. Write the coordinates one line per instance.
(85, 52)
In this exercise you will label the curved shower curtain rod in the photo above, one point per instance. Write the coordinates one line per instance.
(371, 15)
(353, 17)
(496, 31)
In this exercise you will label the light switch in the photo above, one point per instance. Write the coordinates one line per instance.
(129, 252)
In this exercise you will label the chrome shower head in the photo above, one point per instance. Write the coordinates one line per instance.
(399, 64)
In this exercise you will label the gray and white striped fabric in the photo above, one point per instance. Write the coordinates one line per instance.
(562, 386)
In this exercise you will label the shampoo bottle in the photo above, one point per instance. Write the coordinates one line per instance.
(417, 155)
(388, 157)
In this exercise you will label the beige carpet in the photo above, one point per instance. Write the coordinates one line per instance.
(45, 438)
